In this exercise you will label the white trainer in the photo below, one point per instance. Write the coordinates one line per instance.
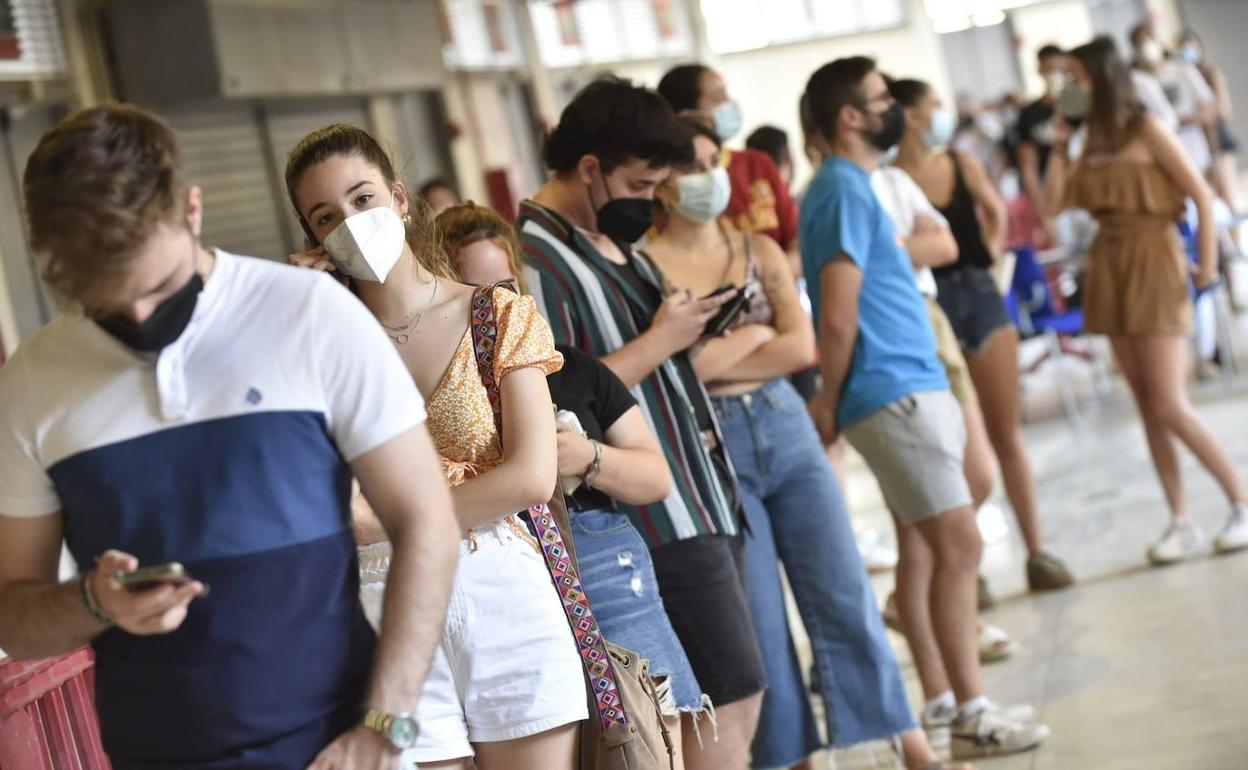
(1234, 536)
(991, 733)
(939, 726)
(1181, 541)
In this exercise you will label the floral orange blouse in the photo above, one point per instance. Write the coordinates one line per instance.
(460, 419)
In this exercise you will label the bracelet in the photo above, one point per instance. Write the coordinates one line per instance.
(595, 465)
(88, 601)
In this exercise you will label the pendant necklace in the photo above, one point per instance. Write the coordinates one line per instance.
(400, 335)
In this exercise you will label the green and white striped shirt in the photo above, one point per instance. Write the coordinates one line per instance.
(592, 304)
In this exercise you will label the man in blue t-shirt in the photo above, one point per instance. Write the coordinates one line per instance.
(884, 386)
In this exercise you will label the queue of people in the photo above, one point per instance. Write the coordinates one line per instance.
(362, 454)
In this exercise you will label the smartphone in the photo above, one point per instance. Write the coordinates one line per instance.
(729, 311)
(150, 577)
(569, 484)
(569, 419)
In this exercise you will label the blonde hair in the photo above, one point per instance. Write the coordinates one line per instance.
(468, 223)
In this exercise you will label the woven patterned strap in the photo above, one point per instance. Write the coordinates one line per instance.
(562, 567)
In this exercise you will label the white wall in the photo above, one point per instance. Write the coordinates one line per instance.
(1065, 23)
(8, 320)
(768, 83)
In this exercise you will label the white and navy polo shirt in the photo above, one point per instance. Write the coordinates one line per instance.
(228, 452)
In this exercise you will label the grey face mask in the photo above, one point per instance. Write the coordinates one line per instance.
(1075, 101)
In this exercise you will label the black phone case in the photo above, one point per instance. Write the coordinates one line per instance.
(727, 314)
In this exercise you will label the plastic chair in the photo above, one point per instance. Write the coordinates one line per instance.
(1224, 324)
(1036, 315)
(47, 714)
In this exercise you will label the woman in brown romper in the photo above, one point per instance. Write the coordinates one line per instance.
(1134, 178)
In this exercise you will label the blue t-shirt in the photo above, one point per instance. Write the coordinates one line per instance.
(895, 353)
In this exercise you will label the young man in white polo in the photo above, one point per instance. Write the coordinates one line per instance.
(202, 408)
(884, 386)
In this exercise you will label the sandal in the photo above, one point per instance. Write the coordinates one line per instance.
(994, 643)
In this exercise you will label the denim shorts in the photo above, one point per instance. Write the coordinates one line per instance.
(618, 577)
(973, 302)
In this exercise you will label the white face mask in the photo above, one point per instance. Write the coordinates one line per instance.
(366, 245)
(1151, 52)
(704, 196)
(1055, 82)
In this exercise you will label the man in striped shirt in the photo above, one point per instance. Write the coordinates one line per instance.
(615, 143)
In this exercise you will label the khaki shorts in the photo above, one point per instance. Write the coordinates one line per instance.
(949, 351)
(914, 446)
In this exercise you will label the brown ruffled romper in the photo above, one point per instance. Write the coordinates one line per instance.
(1136, 280)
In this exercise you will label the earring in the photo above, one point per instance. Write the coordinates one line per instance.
(407, 219)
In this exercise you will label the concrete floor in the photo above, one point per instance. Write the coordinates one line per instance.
(1135, 668)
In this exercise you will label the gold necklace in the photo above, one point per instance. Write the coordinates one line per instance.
(402, 334)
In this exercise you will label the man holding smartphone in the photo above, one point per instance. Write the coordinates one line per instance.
(614, 145)
(208, 409)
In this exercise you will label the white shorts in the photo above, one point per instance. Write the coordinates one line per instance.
(508, 666)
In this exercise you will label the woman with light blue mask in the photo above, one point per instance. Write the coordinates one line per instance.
(959, 188)
(792, 500)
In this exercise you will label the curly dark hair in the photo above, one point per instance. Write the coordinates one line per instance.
(615, 120)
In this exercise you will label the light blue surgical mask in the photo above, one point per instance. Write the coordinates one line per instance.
(704, 196)
(1189, 53)
(728, 120)
(940, 132)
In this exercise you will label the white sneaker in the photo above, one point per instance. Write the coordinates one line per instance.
(1234, 536)
(990, 733)
(1182, 540)
(877, 554)
(938, 726)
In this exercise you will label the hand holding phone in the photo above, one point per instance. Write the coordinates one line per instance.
(682, 318)
(729, 311)
(143, 603)
(147, 577)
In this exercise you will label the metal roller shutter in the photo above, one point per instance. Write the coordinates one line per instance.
(223, 152)
(287, 124)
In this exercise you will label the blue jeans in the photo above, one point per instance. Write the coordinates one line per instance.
(797, 517)
(618, 577)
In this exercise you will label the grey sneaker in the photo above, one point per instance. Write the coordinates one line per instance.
(1046, 572)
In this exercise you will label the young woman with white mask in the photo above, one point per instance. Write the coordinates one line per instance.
(503, 689)
(793, 503)
(957, 185)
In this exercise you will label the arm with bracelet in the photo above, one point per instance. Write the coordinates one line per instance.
(607, 446)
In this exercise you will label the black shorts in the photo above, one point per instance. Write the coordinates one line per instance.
(806, 382)
(702, 582)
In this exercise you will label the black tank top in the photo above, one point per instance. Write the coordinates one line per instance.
(964, 222)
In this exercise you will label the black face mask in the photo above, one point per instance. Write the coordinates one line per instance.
(893, 129)
(623, 219)
(163, 326)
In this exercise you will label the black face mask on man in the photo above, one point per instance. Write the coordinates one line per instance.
(893, 128)
(622, 219)
(165, 324)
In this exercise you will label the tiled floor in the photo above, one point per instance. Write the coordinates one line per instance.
(1136, 668)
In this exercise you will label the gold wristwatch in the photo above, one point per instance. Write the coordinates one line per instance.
(399, 729)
